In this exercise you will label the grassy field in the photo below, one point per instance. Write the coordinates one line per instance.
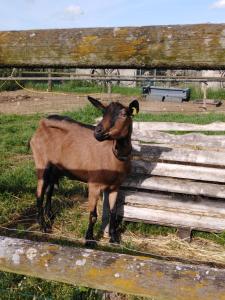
(17, 201)
(85, 87)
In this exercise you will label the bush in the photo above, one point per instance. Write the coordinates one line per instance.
(7, 85)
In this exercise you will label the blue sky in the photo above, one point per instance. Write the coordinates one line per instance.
(41, 14)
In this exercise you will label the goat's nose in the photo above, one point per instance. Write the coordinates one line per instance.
(99, 129)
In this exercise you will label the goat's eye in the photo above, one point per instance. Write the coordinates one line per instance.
(123, 114)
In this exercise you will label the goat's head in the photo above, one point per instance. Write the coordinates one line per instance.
(117, 120)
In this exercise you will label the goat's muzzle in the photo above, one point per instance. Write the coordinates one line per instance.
(100, 133)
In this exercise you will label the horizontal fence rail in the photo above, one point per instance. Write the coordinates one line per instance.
(135, 275)
(116, 78)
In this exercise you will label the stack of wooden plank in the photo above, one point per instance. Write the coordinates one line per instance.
(177, 179)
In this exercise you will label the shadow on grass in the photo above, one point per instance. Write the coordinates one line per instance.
(25, 225)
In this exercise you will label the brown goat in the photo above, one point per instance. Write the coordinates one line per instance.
(97, 155)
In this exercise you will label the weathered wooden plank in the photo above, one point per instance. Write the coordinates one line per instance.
(142, 276)
(152, 152)
(178, 171)
(198, 206)
(164, 210)
(173, 126)
(173, 185)
(198, 46)
(172, 219)
(193, 139)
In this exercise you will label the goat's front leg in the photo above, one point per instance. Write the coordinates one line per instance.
(93, 195)
(41, 187)
(112, 223)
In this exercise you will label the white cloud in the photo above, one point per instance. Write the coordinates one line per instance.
(70, 13)
(73, 10)
(218, 4)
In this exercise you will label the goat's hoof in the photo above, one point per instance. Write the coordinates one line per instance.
(45, 228)
(50, 216)
(114, 240)
(90, 243)
(48, 229)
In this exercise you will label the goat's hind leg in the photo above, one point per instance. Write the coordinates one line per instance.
(52, 178)
(41, 188)
(92, 203)
(44, 184)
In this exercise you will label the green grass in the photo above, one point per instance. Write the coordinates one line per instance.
(84, 87)
(216, 94)
(147, 230)
(8, 86)
(212, 93)
(17, 287)
(128, 91)
(196, 93)
(17, 200)
(68, 87)
(181, 118)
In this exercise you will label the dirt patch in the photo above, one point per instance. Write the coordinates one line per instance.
(23, 102)
(30, 102)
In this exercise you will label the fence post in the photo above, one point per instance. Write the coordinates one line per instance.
(109, 87)
(49, 89)
(204, 89)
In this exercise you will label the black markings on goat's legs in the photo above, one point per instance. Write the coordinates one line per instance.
(112, 227)
(112, 222)
(48, 205)
(92, 220)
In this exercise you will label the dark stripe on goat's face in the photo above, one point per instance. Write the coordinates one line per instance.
(116, 123)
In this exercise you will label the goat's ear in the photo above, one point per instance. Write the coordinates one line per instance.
(134, 108)
(96, 103)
